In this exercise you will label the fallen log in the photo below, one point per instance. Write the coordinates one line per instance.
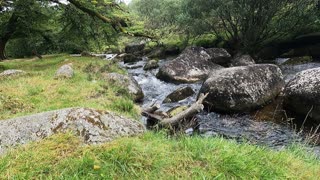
(175, 120)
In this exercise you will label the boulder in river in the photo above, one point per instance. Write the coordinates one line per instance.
(152, 64)
(179, 94)
(11, 73)
(127, 82)
(192, 65)
(243, 88)
(131, 58)
(219, 56)
(302, 94)
(242, 60)
(64, 71)
(92, 126)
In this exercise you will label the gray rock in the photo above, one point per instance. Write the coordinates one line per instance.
(152, 64)
(242, 60)
(127, 82)
(157, 53)
(243, 88)
(64, 71)
(302, 94)
(92, 126)
(11, 73)
(219, 56)
(179, 94)
(134, 48)
(192, 65)
(130, 58)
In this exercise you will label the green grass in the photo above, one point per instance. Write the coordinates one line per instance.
(150, 156)
(39, 91)
(154, 156)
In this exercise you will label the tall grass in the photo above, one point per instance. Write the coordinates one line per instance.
(155, 156)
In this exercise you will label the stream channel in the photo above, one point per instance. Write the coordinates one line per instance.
(242, 127)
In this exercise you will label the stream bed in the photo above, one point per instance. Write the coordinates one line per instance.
(242, 127)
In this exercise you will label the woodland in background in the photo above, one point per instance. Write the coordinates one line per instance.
(52, 26)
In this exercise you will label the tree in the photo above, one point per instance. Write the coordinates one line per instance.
(25, 18)
(246, 25)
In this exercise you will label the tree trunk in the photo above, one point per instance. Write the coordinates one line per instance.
(2, 49)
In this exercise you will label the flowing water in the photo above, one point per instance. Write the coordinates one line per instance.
(240, 127)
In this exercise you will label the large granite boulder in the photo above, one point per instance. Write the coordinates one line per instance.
(92, 126)
(127, 82)
(179, 94)
(192, 65)
(64, 71)
(11, 73)
(242, 60)
(302, 94)
(219, 56)
(241, 89)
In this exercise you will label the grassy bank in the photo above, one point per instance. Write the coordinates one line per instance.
(154, 156)
(39, 91)
(150, 156)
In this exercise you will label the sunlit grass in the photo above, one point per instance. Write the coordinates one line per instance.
(39, 91)
(154, 156)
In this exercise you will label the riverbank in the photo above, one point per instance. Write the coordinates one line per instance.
(152, 155)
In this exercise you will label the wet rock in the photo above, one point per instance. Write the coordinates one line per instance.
(245, 128)
(64, 71)
(173, 50)
(134, 48)
(179, 94)
(131, 58)
(192, 65)
(127, 82)
(298, 60)
(242, 60)
(152, 64)
(157, 53)
(92, 126)
(244, 88)
(219, 56)
(302, 94)
(11, 73)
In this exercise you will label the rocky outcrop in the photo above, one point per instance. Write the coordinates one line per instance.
(219, 56)
(11, 73)
(244, 88)
(64, 71)
(92, 126)
(127, 82)
(179, 94)
(134, 48)
(152, 64)
(302, 94)
(192, 65)
(242, 60)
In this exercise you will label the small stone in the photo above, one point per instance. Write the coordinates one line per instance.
(11, 73)
(152, 64)
(179, 94)
(64, 71)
